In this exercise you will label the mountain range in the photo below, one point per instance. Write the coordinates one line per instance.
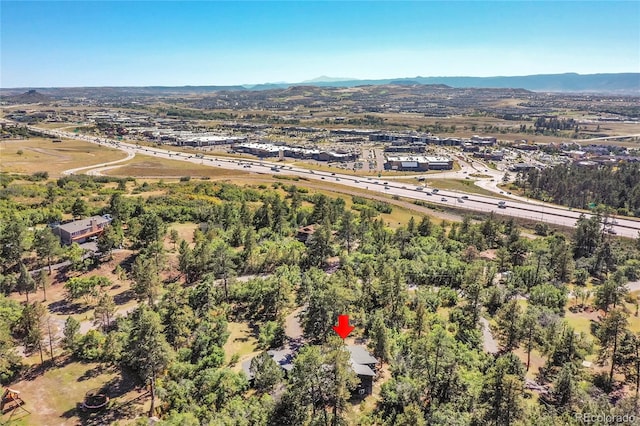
(618, 84)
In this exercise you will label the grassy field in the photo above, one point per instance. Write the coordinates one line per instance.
(460, 185)
(148, 166)
(52, 397)
(42, 155)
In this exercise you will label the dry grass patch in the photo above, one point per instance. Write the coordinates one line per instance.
(147, 166)
(462, 186)
(42, 155)
(242, 342)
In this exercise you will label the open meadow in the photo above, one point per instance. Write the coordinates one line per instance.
(43, 155)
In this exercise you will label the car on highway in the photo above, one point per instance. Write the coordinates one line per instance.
(460, 200)
(443, 199)
(435, 190)
(611, 231)
(465, 197)
(502, 205)
(333, 174)
(419, 188)
(338, 179)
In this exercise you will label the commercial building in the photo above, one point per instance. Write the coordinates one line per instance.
(80, 231)
(418, 163)
(271, 150)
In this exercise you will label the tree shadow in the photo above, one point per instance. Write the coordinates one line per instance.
(92, 373)
(64, 307)
(124, 297)
(36, 371)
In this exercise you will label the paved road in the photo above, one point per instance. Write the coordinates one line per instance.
(489, 344)
(536, 211)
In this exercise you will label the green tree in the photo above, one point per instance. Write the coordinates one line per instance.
(74, 254)
(151, 233)
(502, 391)
(611, 293)
(509, 331)
(85, 287)
(31, 327)
(565, 388)
(111, 238)
(79, 208)
(177, 316)
(25, 282)
(70, 334)
(41, 282)
(47, 245)
(105, 310)
(341, 379)
(266, 373)
(530, 330)
(380, 339)
(224, 266)
(147, 351)
(612, 328)
(13, 242)
(146, 279)
(347, 230)
(174, 237)
(319, 246)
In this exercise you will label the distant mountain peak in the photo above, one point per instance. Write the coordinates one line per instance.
(326, 79)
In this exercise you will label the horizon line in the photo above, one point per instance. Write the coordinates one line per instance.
(313, 81)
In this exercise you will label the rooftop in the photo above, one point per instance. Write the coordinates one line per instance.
(83, 224)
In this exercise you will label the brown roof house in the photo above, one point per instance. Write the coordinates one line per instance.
(80, 231)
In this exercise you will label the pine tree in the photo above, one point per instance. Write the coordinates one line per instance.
(380, 340)
(266, 373)
(508, 331)
(47, 245)
(612, 328)
(147, 351)
(25, 283)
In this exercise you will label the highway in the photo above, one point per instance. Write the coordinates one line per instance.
(516, 207)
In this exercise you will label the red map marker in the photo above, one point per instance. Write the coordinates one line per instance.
(343, 328)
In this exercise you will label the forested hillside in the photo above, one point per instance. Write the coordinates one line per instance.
(616, 186)
(418, 296)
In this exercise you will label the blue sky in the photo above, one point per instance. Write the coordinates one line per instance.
(71, 43)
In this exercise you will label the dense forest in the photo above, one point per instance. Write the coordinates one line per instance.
(417, 295)
(616, 186)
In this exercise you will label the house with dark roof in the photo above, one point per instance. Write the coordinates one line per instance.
(282, 357)
(80, 231)
(364, 365)
(361, 361)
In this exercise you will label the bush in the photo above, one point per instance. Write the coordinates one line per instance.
(185, 178)
(90, 346)
(541, 229)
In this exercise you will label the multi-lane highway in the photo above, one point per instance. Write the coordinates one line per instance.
(537, 211)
